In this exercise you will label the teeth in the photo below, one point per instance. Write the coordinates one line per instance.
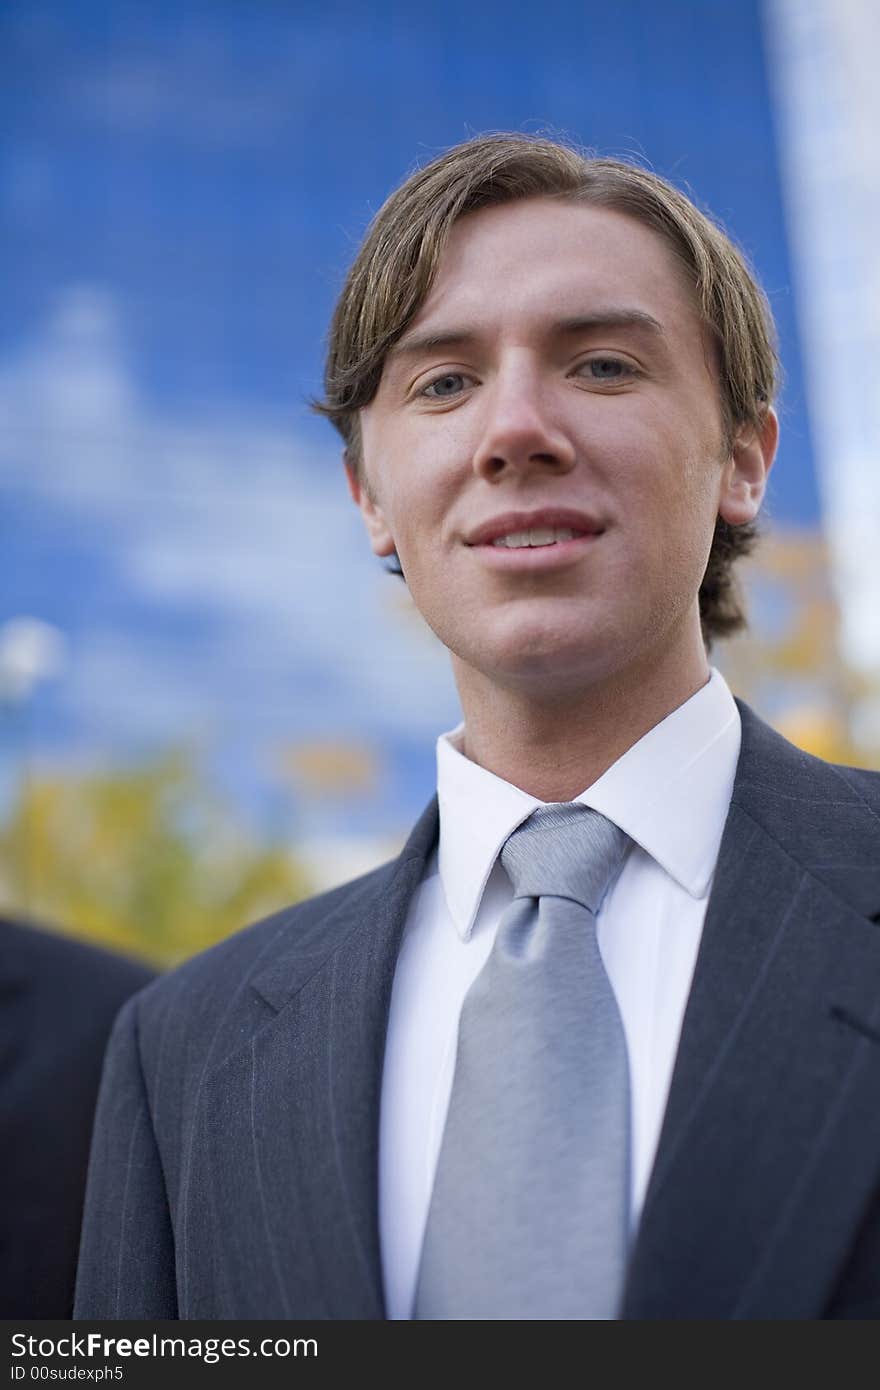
(538, 535)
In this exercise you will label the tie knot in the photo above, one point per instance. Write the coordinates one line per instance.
(565, 850)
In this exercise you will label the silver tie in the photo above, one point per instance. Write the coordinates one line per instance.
(529, 1213)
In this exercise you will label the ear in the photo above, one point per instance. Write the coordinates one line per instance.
(378, 529)
(744, 480)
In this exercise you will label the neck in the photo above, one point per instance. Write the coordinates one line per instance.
(554, 743)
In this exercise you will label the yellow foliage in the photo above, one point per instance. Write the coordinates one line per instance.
(820, 733)
(146, 860)
(796, 668)
(331, 768)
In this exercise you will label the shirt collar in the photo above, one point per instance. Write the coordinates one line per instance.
(670, 792)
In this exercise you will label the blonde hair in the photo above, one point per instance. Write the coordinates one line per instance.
(397, 263)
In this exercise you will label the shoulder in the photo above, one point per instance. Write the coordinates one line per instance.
(60, 1000)
(770, 764)
(298, 939)
(207, 1007)
(864, 782)
(825, 816)
(212, 983)
(171, 1036)
(66, 970)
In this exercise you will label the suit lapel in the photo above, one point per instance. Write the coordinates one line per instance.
(770, 1145)
(298, 1109)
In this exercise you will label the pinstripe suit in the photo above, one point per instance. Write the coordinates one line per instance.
(234, 1168)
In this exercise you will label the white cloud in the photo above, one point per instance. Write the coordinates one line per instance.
(197, 90)
(230, 525)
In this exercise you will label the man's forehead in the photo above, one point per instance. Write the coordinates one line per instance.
(569, 257)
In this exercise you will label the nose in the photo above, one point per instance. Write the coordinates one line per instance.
(521, 431)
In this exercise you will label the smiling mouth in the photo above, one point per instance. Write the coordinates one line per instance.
(538, 549)
(537, 536)
(541, 528)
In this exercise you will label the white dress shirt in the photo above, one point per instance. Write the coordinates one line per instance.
(670, 792)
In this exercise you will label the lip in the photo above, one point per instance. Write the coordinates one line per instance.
(528, 558)
(509, 522)
(531, 558)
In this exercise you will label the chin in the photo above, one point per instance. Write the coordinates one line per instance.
(542, 660)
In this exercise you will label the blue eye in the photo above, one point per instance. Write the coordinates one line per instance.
(606, 368)
(442, 387)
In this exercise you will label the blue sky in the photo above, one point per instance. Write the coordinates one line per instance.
(182, 186)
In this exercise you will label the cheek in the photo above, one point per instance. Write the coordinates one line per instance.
(419, 502)
(674, 468)
(666, 490)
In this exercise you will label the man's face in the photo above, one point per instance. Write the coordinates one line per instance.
(555, 387)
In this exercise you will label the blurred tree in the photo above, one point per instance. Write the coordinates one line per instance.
(789, 663)
(331, 769)
(147, 859)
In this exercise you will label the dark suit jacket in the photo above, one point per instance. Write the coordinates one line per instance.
(58, 1000)
(234, 1170)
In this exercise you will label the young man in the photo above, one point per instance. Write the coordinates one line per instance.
(603, 1041)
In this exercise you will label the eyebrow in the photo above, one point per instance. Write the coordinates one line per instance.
(414, 344)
